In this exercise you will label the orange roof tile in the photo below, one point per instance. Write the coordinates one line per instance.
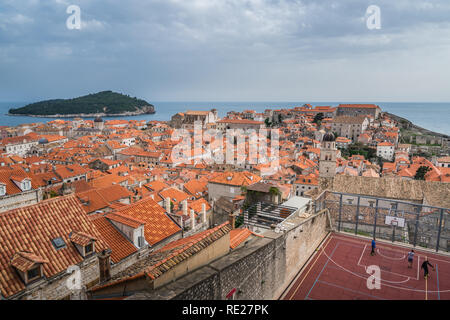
(39, 225)
(120, 246)
(158, 226)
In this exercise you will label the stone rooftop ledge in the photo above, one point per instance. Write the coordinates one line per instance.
(171, 290)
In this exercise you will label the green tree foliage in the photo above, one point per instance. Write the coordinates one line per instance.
(318, 118)
(107, 102)
(359, 148)
(268, 123)
(421, 172)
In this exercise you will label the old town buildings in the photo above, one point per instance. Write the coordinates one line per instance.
(108, 197)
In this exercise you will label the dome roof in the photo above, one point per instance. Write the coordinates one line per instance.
(98, 119)
(329, 137)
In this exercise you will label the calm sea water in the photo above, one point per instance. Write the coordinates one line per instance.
(432, 116)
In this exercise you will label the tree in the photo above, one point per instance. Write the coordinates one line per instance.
(280, 118)
(318, 118)
(421, 172)
(268, 123)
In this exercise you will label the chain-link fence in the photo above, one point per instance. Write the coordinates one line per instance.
(407, 222)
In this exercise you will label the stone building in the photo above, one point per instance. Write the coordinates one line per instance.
(386, 150)
(350, 127)
(327, 162)
(99, 124)
(18, 189)
(189, 118)
(358, 110)
(229, 184)
(243, 124)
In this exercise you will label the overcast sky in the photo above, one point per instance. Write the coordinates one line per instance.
(226, 50)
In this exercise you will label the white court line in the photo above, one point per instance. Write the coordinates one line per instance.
(362, 253)
(387, 285)
(403, 257)
(365, 268)
(418, 268)
(421, 253)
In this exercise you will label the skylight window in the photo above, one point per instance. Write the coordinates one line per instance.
(58, 243)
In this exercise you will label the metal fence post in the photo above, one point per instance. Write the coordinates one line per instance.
(439, 230)
(375, 220)
(357, 216)
(315, 206)
(417, 226)
(340, 213)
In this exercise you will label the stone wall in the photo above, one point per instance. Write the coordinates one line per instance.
(57, 288)
(22, 199)
(261, 269)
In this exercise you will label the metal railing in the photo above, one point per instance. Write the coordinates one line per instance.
(415, 223)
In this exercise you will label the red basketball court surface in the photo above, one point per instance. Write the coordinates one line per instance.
(339, 271)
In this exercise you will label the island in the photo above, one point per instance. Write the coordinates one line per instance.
(105, 103)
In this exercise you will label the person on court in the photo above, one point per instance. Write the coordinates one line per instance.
(425, 265)
(372, 253)
(410, 258)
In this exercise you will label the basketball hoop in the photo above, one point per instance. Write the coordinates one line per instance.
(395, 221)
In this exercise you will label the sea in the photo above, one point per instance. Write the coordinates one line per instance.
(431, 116)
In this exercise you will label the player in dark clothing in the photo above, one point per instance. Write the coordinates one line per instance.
(372, 253)
(410, 258)
(425, 265)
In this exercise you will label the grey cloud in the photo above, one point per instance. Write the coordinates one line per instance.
(222, 49)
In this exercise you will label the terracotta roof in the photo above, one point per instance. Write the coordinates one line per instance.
(237, 236)
(187, 247)
(444, 160)
(359, 106)
(32, 229)
(120, 246)
(198, 204)
(233, 178)
(240, 121)
(156, 185)
(24, 261)
(174, 194)
(196, 187)
(125, 219)
(385, 144)
(174, 253)
(7, 175)
(158, 226)
(349, 119)
(81, 238)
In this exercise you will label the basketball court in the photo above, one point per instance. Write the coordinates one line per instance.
(342, 268)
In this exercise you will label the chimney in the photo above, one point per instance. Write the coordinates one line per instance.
(167, 203)
(204, 212)
(232, 220)
(185, 207)
(192, 219)
(105, 265)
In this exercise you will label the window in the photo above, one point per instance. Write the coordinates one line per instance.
(26, 185)
(88, 249)
(2, 189)
(58, 243)
(34, 273)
